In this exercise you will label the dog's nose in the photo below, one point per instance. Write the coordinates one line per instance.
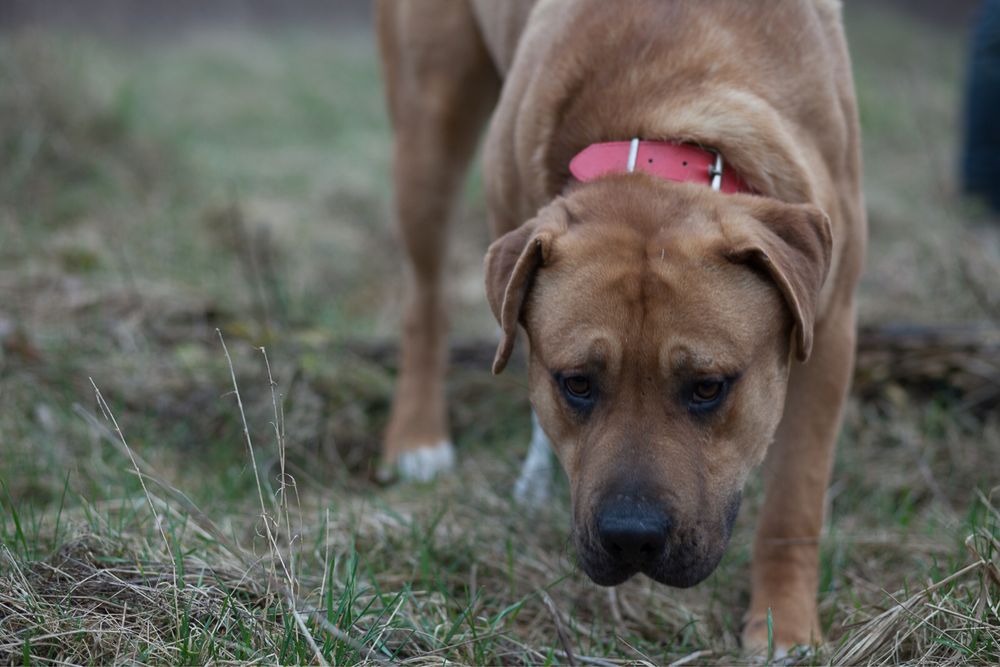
(633, 531)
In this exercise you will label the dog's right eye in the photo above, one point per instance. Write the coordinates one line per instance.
(577, 386)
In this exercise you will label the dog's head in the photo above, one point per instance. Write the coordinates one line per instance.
(661, 319)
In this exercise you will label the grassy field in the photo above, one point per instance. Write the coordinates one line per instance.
(163, 500)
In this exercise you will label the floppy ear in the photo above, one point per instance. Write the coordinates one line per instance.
(510, 266)
(793, 243)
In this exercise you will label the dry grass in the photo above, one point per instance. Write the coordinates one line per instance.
(391, 576)
(150, 197)
(97, 603)
(952, 621)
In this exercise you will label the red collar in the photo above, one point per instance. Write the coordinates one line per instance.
(684, 163)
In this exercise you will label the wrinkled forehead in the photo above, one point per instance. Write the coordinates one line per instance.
(671, 300)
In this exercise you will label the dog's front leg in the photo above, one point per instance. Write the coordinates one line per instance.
(786, 549)
(441, 86)
(535, 483)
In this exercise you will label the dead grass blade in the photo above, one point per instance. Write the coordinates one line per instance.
(951, 622)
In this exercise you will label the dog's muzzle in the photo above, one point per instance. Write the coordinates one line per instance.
(629, 534)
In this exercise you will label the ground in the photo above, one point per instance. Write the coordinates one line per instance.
(169, 205)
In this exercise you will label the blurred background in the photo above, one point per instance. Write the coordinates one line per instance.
(169, 169)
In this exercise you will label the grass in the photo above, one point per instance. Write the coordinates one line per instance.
(238, 182)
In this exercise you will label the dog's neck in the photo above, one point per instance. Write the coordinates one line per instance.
(578, 100)
(752, 140)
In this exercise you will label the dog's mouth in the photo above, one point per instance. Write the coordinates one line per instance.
(687, 559)
(682, 565)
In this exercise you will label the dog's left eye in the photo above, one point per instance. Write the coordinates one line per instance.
(707, 391)
(578, 391)
(577, 386)
(707, 394)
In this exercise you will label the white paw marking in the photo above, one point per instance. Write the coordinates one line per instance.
(533, 487)
(424, 464)
(783, 655)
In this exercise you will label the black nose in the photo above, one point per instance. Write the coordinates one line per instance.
(633, 531)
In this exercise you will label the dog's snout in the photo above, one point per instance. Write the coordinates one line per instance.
(633, 531)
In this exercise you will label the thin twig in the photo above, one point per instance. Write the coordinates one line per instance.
(279, 434)
(106, 410)
(560, 630)
(272, 543)
(308, 635)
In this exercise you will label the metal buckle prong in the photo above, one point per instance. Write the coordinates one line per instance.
(715, 170)
(633, 153)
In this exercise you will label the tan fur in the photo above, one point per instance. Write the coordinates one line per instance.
(641, 284)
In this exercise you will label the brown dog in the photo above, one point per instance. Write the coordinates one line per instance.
(678, 331)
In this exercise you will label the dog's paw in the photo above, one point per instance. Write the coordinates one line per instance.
(422, 464)
(789, 647)
(783, 655)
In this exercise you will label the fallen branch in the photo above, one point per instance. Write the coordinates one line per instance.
(916, 358)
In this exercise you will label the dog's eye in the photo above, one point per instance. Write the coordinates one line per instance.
(577, 386)
(706, 395)
(707, 391)
(578, 391)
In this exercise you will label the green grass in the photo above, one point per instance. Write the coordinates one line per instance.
(240, 181)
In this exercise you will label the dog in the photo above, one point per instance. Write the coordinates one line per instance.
(674, 190)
